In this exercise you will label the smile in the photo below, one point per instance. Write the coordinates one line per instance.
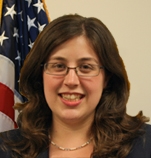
(71, 97)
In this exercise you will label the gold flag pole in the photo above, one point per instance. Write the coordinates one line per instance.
(1, 6)
(47, 13)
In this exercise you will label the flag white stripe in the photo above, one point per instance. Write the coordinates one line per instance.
(6, 123)
(7, 72)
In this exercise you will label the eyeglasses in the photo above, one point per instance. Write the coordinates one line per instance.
(84, 70)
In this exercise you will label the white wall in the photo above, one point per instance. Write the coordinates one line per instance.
(130, 23)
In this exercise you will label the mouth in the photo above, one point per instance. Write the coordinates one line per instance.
(71, 97)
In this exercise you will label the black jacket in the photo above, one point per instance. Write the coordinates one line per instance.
(141, 148)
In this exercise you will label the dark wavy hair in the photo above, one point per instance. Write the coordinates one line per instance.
(113, 130)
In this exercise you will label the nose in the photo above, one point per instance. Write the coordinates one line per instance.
(71, 79)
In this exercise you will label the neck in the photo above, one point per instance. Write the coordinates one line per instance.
(70, 135)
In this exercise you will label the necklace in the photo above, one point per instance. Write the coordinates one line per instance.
(71, 149)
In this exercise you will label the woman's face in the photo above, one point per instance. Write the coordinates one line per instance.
(72, 98)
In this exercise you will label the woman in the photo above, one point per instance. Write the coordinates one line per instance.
(77, 89)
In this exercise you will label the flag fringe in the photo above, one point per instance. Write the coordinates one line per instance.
(47, 13)
(1, 6)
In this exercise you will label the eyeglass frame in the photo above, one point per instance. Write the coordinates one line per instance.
(75, 68)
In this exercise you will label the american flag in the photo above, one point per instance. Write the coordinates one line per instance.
(21, 22)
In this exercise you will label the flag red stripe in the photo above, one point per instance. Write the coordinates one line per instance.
(6, 101)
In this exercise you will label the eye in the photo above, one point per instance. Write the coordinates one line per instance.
(57, 67)
(86, 68)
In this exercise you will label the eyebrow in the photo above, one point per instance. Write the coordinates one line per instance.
(80, 60)
(57, 58)
(88, 59)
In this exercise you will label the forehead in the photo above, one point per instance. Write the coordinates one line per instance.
(77, 48)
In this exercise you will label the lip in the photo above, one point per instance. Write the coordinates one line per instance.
(71, 103)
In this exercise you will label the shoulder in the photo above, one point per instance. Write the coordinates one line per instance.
(13, 135)
(10, 133)
(142, 145)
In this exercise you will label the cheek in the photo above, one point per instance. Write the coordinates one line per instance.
(46, 83)
(96, 91)
(50, 89)
(94, 88)
(51, 86)
(95, 83)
